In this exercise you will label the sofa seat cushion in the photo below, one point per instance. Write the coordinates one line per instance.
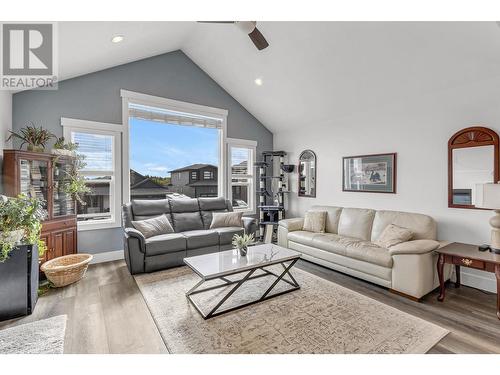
(302, 236)
(369, 252)
(201, 238)
(332, 243)
(165, 243)
(226, 234)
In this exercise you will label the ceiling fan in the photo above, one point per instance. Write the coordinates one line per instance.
(249, 28)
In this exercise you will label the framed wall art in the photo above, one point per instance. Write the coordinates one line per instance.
(369, 173)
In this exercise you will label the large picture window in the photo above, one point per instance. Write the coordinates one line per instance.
(101, 150)
(174, 153)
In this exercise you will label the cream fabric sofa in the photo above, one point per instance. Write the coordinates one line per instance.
(408, 268)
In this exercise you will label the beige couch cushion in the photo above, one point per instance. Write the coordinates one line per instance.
(369, 252)
(314, 221)
(302, 236)
(356, 223)
(346, 246)
(392, 235)
(332, 217)
(226, 219)
(423, 227)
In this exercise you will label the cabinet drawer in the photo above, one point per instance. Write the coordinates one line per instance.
(466, 262)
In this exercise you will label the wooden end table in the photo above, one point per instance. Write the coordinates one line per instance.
(465, 255)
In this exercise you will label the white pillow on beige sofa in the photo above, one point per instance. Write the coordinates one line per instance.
(393, 235)
(315, 221)
(226, 219)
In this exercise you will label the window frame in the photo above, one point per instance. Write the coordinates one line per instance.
(173, 105)
(194, 175)
(252, 147)
(115, 130)
(210, 174)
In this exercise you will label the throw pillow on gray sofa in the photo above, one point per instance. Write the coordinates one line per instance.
(226, 219)
(154, 227)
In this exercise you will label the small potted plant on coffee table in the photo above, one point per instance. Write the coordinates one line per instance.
(242, 242)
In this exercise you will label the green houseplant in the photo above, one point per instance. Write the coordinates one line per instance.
(61, 147)
(35, 138)
(75, 183)
(20, 221)
(242, 242)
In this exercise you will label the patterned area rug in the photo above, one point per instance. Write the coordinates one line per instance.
(321, 317)
(40, 337)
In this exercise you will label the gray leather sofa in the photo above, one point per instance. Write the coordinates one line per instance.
(190, 218)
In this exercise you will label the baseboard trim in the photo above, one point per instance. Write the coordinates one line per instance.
(483, 282)
(107, 256)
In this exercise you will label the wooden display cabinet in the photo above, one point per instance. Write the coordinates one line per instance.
(44, 175)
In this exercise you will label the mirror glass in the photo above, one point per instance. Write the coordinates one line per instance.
(307, 174)
(471, 166)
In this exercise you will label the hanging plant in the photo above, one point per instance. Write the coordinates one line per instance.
(35, 138)
(20, 222)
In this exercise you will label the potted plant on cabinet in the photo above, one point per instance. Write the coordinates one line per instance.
(20, 247)
(35, 138)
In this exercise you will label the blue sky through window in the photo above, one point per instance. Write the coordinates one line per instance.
(156, 148)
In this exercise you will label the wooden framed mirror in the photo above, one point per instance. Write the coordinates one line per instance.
(472, 159)
(307, 174)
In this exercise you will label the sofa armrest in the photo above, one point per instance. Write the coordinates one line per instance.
(292, 225)
(414, 247)
(250, 225)
(134, 233)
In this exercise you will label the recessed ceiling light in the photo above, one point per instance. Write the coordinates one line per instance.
(258, 81)
(117, 39)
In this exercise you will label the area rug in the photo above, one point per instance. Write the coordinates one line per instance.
(321, 317)
(40, 337)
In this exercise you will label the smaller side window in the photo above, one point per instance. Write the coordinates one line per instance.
(194, 175)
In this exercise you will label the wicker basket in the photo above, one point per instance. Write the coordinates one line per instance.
(67, 269)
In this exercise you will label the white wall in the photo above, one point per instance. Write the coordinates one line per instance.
(417, 129)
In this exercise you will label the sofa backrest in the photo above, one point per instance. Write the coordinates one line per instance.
(184, 214)
(423, 227)
(210, 205)
(332, 217)
(356, 222)
(368, 224)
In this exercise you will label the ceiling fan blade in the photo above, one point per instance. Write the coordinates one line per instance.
(258, 39)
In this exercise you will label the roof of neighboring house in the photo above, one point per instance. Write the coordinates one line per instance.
(138, 181)
(203, 183)
(149, 191)
(193, 167)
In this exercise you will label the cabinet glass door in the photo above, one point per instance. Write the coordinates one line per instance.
(34, 179)
(63, 203)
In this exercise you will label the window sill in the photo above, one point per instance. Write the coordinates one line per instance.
(85, 226)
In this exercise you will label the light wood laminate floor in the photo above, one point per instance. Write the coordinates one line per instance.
(107, 314)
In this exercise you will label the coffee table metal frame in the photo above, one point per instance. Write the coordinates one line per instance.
(248, 276)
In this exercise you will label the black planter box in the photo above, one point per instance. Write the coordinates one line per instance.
(19, 282)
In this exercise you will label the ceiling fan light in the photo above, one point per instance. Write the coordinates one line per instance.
(246, 26)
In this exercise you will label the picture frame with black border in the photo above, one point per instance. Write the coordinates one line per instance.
(375, 173)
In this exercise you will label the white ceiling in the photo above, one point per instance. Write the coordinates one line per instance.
(312, 71)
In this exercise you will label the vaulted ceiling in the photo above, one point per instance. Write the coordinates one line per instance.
(312, 71)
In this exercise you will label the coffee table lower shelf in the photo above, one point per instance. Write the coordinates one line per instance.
(249, 275)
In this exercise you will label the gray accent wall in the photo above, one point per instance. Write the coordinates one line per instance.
(96, 97)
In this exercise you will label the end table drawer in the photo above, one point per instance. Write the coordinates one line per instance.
(466, 262)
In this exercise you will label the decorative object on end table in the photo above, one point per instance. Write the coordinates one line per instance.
(488, 197)
(67, 269)
(369, 173)
(35, 138)
(242, 242)
(20, 224)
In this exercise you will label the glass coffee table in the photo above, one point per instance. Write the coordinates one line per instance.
(260, 261)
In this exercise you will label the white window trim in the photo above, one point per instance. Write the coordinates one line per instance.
(116, 130)
(252, 145)
(173, 105)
